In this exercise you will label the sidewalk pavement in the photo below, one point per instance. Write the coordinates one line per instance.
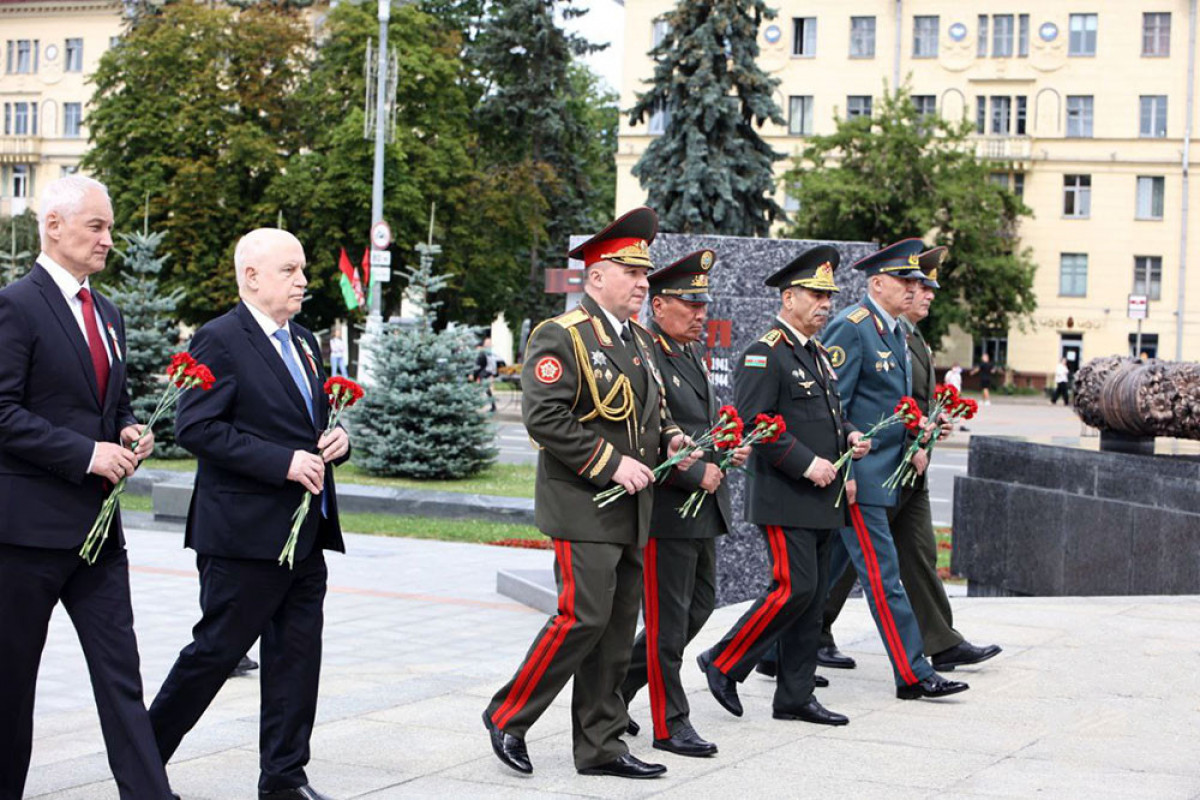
(1092, 698)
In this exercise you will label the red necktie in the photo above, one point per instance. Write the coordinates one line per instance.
(95, 343)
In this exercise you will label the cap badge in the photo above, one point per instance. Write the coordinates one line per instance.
(914, 260)
(700, 280)
(706, 261)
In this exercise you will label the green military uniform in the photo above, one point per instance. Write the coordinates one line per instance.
(590, 396)
(680, 559)
(783, 374)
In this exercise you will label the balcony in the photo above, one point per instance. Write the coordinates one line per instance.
(20, 149)
(1004, 148)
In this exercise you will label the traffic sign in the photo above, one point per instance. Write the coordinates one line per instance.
(381, 258)
(381, 235)
(381, 275)
(1139, 306)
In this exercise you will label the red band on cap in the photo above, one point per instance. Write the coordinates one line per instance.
(597, 251)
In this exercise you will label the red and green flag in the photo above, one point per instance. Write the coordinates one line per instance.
(352, 290)
(366, 268)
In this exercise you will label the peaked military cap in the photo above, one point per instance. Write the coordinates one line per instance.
(813, 269)
(930, 261)
(686, 279)
(900, 260)
(625, 241)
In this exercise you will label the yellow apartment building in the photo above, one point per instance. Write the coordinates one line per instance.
(1084, 108)
(50, 48)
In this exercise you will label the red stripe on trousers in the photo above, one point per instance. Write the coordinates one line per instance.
(654, 676)
(547, 646)
(875, 578)
(770, 607)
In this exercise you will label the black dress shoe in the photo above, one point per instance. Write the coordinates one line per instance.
(962, 654)
(933, 686)
(820, 681)
(686, 742)
(811, 711)
(766, 668)
(244, 667)
(305, 792)
(834, 659)
(723, 688)
(508, 748)
(627, 766)
(632, 728)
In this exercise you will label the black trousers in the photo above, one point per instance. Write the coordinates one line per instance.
(32, 581)
(1061, 390)
(789, 612)
(599, 591)
(241, 600)
(679, 593)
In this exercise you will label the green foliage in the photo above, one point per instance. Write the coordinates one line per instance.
(19, 245)
(421, 416)
(900, 174)
(151, 330)
(710, 172)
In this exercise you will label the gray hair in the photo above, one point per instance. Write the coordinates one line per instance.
(253, 244)
(65, 197)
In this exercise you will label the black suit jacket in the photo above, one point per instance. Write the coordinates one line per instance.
(776, 375)
(693, 404)
(51, 415)
(244, 431)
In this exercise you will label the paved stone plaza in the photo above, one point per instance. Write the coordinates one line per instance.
(1092, 698)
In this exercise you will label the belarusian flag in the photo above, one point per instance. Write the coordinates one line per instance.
(352, 291)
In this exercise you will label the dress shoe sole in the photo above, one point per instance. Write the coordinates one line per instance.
(948, 666)
(615, 774)
(784, 715)
(699, 752)
(499, 751)
(737, 712)
(915, 692)
(851, 664)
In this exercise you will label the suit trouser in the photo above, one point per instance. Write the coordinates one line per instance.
(839, 591)
(32, 581)
(911, 523)
(678, 596)
(789, 612)
(599, 592)
(241, 600)
(870, 548)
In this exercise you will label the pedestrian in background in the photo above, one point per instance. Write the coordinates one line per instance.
(337, 354)
(1062, 381)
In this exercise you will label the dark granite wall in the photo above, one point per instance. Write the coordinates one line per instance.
(742, 309)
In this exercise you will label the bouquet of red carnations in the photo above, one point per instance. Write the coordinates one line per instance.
(767, 428)
(945, 402)
(906, 412)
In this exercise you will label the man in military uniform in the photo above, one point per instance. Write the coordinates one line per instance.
(868, 349)
(680, 569)
(593, 403)
(911, 520)
(792, 493)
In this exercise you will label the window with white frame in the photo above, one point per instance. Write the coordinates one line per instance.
(1002, 36)
(74, 55)
(658, 32)
(1079, 115)
(862, 37)
(1153, 116)
(1156, 34)
(925, 37)
(800, 115)
(72, 120)
(1150, 191)
(1077, 196)
(981, 42)
(22, 56)
(1147, 276)
(858, 105)
(1072, 275)
(1001, 115)
(1023, 36)
(925, 104)
(804, 36)
(1082, 41)
(20, 180)
(660, 118)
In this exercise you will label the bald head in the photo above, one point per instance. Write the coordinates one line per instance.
(270, 272)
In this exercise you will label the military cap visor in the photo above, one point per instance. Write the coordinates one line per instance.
(686, 279)
(625, 241)
(931, 261)
(900, 260)
(813, 269)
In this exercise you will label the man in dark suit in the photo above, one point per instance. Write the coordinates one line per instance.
(593, 402)
(258, 438)
(791, 493)
(65, 429)
(680, 586)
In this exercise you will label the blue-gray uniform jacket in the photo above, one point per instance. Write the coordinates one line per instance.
(872, 370)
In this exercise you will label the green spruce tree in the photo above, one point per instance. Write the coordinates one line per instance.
(709, 172)
(421, 417)
(18, 245)
(151, 330)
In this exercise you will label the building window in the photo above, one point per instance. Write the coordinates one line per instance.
(74, 60)
(981, 42)
(1150, 190)
(981, 115)
(1072, 275)
(1079, 115)
(658, 32)
(1147, 276)
(1002, 36)
(1023, 36)
(1001, 114)
(858, 105)
(21, 120)
(1156, 34)
(22, 56)
(804, 36)
(1018, 185)
(660, 118)
(1153, 116)
(925, 104)
(925, 37)
(1149, 345)
(862, 37)
(1021, 115)
(995, 347)
(20, 183)
(800, 115)
(1083, 35)
(1077, 196)
(72, 119)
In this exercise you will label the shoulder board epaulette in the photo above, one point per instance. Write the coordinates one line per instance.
(859, 314)
(664, 344)
(571, 318)
(774, 337)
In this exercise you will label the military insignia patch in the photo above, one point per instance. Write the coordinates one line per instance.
(772, 337)
(675, 380)
(837, 356)
(599, 359)
(760, 362)
(807, 384)
(706, 261)
(608, 374)
(858, 315)
(597, 374)
(548, 370)
(798, 374)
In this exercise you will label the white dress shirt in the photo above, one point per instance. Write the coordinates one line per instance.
(269, 327)
(617, 325)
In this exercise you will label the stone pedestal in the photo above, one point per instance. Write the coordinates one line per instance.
(1034, 519)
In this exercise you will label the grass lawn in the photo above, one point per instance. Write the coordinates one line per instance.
(506, 480)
